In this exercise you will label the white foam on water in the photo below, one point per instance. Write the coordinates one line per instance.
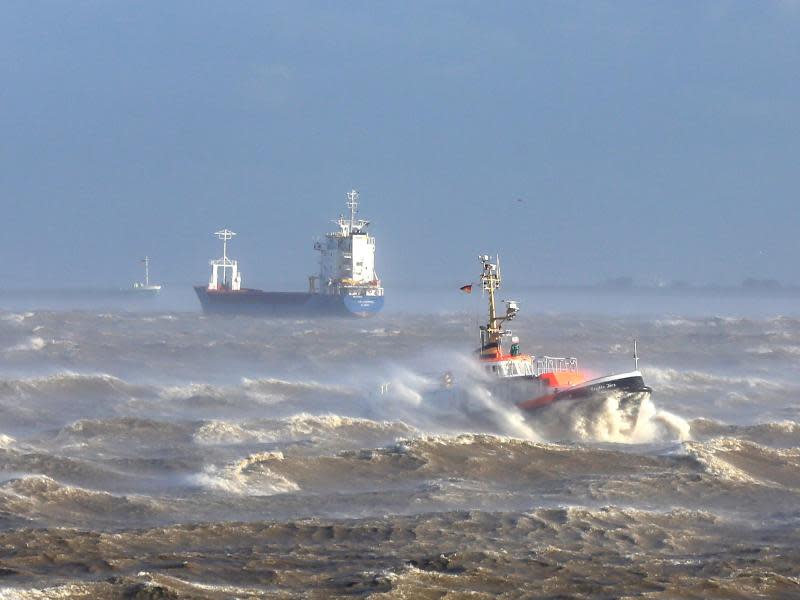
(70, 590)
(32, 344)
(218, 432)
(705, 454)
(249, 476)
(301, 426)
(654, 425)
(509, 419)
(16, 317)
(606, 420)
(426, 403)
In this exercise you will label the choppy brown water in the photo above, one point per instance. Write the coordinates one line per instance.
(178, 456)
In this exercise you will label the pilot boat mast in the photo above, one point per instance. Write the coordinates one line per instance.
(492, 333)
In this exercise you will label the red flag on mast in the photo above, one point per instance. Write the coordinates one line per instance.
(466, 288)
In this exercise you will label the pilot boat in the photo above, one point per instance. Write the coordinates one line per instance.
(534, 383)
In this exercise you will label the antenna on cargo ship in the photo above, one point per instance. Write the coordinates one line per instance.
(353, 225)
(352, 204)
(225, 235)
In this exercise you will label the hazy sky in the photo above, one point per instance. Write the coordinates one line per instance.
(656, 140)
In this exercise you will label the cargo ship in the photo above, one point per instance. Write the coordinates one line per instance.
(347, 283)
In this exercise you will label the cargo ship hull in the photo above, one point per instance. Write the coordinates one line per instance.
(286, 304)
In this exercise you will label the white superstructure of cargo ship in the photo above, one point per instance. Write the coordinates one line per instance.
(347, 258)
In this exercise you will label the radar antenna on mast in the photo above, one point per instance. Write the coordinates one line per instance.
(352, 225)
(225, 235)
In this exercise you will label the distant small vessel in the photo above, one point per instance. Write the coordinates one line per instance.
(347, 284)
(146, 287)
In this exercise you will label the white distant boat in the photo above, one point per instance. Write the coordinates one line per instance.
(146, 287)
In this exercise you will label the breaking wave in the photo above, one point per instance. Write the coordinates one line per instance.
(251, 476)
(607, 420)
(43, 498)
(69, 384)
(678, 380)
(302, 426)
(748, 462)
(781, 434)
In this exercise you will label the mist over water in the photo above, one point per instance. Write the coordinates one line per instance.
(166, 451)
(640, 301)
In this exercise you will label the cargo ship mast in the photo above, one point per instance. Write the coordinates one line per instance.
(352, 226)
(223, 265)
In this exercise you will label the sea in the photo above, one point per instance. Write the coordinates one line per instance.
(149, 451)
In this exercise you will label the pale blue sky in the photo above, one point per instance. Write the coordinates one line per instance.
(659, 140)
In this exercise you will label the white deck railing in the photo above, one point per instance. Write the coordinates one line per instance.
(550, 364)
